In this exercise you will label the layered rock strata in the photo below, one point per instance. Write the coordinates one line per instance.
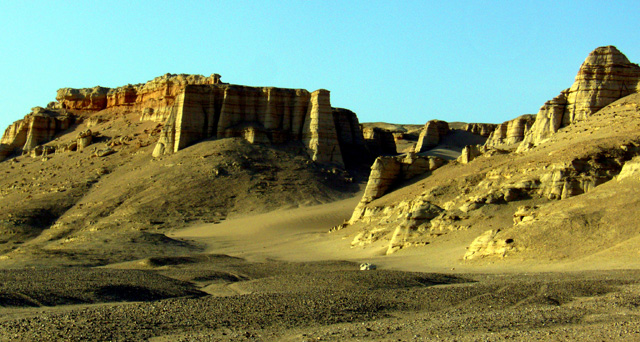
(38, 127)
(193, 108)
(469, 153)
(431, 135)
(154, 98)
(605, 76)
(510, 132)
(277, 115)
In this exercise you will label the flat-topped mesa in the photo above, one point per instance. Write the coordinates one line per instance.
(154, 98)
(274, 115)
(605, 76)
(510, 132)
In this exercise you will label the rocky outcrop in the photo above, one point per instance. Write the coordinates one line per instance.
(350, 138)
(154, 98)
(388, 171)
(38, 127)
(83, 99)
(510, 132)
(605, 76)
(193, 108)
(379, 141)
(487, 244)
(277, 115)
(84, 139)
(483, 129)
(430, 136)
(469, 153)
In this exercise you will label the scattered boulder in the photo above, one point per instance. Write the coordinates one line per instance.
(103, 152)
(367, 267)
(84, 139)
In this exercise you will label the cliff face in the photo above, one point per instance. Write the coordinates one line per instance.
(275, 115)
(154, 98)
(38, 127)
(193, 107)
(605, 76)
(510, 132)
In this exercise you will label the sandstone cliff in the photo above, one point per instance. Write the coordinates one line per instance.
(516, 204)
(274, 114)
(154, 98)
(38, 127)
(605, 76)
(510, 132)
(193, 107)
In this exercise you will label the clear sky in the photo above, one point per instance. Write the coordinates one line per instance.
(393, 61)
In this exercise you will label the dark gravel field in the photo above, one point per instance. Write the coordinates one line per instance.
(220, 298)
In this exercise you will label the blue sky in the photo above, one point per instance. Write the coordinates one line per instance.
(393, 61)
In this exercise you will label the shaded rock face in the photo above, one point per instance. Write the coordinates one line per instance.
(510, 132)
(483, 129)
(433, 131)
(38, 127)
(350, 138)
(605, 76)
(280, 115)
(379, 141)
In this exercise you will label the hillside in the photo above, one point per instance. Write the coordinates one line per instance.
(533, 197)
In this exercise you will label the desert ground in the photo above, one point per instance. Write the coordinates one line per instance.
(281, 276)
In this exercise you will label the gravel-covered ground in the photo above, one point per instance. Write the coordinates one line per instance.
(218, 298)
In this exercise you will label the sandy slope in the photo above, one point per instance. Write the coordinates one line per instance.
(299, 234)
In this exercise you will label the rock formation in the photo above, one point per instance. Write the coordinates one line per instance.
(510, 132)
(483, 129)
(351, 139)
(38, 127)
(387, 171)
(433, 131)
(193, 108)
(469, 153)
(279, 115)
(154, 98)
(379, 141)
(605, 76)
